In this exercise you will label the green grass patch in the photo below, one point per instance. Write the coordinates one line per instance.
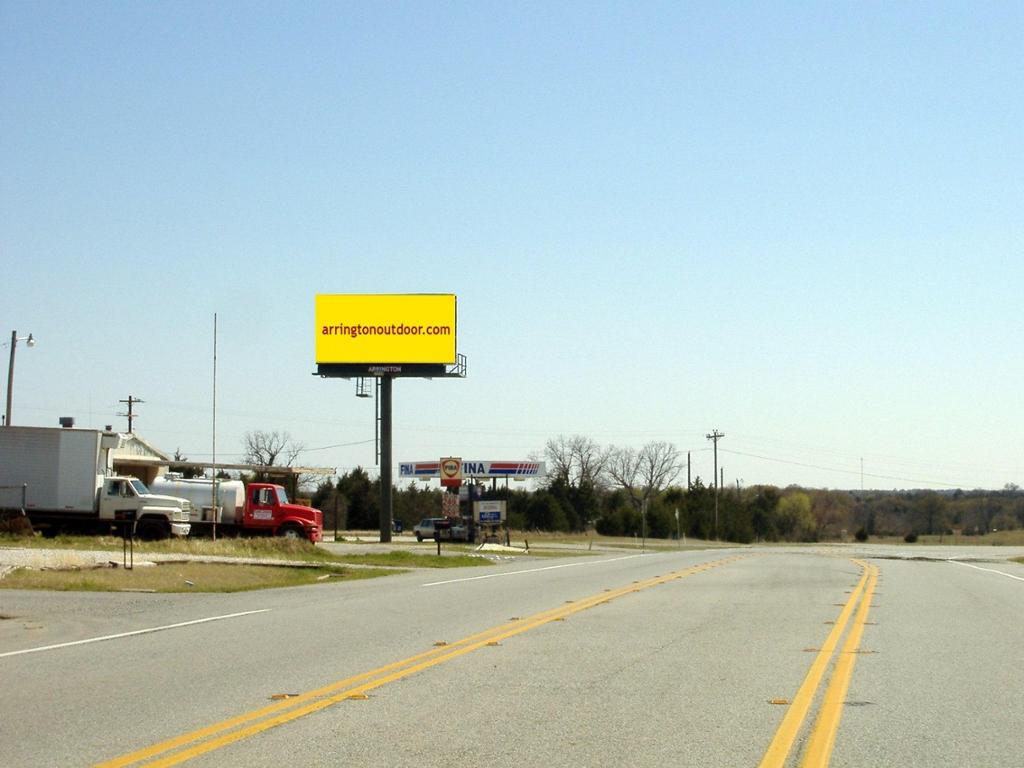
(403, 559)
(267, 548)
(994, 539)
(552, 554)
(184, 577)
(36, 541)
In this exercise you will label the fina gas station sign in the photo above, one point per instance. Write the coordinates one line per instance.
(450, 472)
(471, 468)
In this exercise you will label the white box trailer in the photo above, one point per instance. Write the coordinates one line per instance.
(61, 479)
(61, 468)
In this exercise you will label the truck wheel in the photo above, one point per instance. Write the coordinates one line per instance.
(292, 532)
(150, 530)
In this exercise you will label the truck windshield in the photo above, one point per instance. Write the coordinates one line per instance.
(139, 487)
(282, 496)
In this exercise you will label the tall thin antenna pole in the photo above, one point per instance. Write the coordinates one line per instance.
(213, 491)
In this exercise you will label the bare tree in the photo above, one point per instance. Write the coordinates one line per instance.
(576, 460)
(645, 473)
(268, 449)
(559, 458)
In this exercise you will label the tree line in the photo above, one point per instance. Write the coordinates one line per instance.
(623, 491)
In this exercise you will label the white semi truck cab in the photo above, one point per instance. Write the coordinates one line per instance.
(155, 515)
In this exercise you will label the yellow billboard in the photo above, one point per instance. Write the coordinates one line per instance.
(385, 328)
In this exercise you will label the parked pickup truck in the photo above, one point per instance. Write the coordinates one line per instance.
(443, 528)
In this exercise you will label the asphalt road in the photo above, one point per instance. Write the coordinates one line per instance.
(617, 659)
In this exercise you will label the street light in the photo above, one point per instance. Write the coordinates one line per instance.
(29, 341)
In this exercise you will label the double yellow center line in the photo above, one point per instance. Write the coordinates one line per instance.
(187, 746)
(818, 751)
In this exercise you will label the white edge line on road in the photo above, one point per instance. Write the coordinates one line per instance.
(131, 634)
(990, 570)
(530, 570)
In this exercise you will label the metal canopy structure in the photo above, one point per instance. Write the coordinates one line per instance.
(148, 468)
(268, 469)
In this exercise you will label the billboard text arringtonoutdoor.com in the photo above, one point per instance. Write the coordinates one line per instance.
(354, 331)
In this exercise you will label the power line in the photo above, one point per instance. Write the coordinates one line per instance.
(339, 445)
(847, 471)
(303, 450)
(815, 452)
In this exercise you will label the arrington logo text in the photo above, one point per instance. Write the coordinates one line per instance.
(394, 329)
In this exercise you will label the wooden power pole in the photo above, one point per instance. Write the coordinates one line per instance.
(716, 436)
(131, 416)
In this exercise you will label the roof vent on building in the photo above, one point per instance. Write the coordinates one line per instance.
(67, 421)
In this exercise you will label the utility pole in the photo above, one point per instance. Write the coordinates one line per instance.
(716, 436)
(689, 484)
(131, 417)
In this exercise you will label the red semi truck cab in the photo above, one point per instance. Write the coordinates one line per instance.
(267, 508)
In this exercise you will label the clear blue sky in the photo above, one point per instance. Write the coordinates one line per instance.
(800, 224)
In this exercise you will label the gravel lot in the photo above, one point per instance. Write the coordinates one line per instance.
(13, 557)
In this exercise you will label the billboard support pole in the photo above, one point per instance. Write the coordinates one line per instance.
(386, 499)
(376, 424)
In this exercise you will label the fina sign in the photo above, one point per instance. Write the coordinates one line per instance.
(451, 472)
(385, 329)
(475, 468)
